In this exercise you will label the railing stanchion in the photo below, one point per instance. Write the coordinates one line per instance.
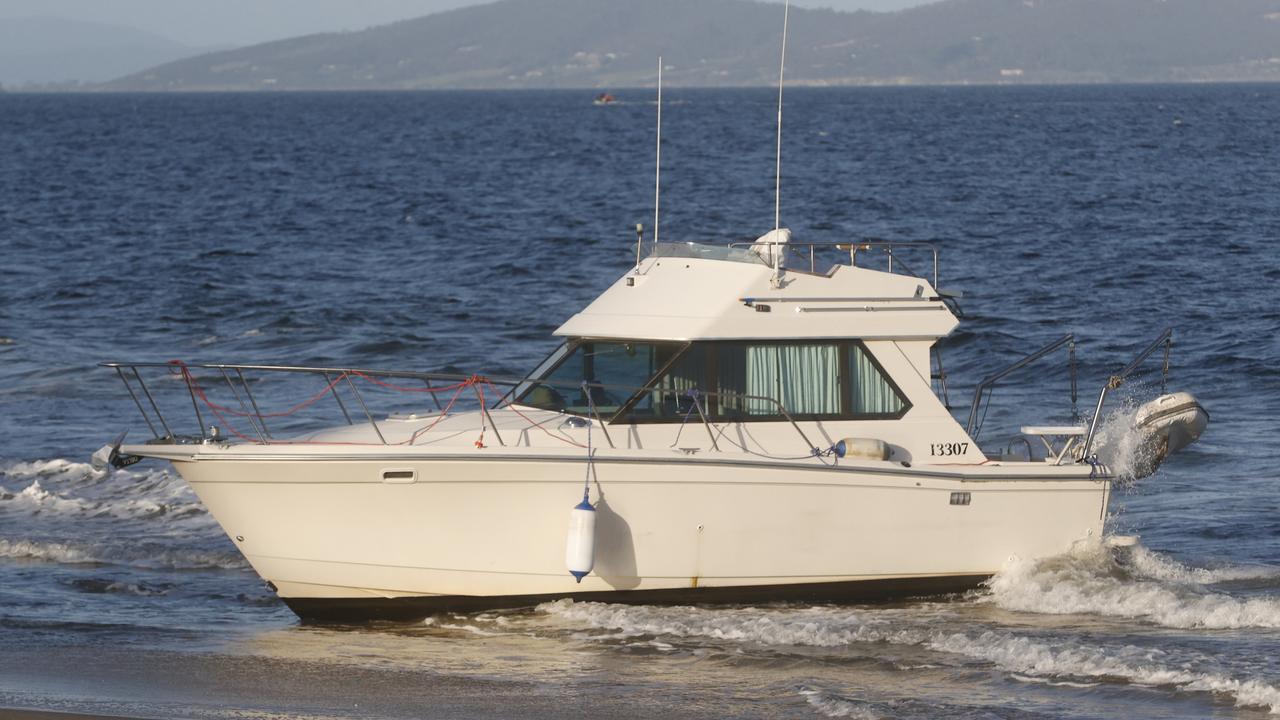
(434, 396)
(591, 402)
(705, 423)
(191, 389)
(243, 408)
(252, 401)
(367, 414)
(489, 418)
(145, 417)
(145, 391)
(794, 424)
(343, 406)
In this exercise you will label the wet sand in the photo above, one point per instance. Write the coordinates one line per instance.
(118, 681)
(11, 714)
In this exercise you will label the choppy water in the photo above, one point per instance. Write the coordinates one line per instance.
(455, 230)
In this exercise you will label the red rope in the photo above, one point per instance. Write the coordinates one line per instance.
(562, 438)
(443, 414)
(191, 382)
(476, 381)
(400, 388)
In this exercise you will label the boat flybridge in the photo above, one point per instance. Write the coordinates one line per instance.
(724, 424)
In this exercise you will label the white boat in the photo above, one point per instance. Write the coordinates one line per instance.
(707, 397)
(716, 427)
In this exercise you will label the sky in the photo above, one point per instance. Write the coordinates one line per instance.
(221, 23)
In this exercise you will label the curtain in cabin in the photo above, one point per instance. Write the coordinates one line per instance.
(804, 378)
(809, 379)
(871, 393)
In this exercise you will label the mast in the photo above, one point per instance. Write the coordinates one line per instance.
(777, 177)
(657, 164)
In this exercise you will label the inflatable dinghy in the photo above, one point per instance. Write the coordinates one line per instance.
(1168, 424)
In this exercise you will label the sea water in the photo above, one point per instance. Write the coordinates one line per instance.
(454, 231)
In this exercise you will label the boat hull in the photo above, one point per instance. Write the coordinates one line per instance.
(363, 538)
(355, 610)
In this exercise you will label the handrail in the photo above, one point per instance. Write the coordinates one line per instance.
(1164, 338)
(346, 373)
(984, 387)
(853, 246)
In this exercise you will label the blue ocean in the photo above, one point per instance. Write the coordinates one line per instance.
(454, 231)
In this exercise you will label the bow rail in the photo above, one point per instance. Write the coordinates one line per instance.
(249, 406)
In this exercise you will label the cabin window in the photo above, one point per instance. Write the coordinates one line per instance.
(731, 380)
(613, 370)
(744, 381)
(804, 378)
(871, 394)
(671, 396)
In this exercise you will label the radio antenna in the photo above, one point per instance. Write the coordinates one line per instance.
(657, 164)
(777, 176)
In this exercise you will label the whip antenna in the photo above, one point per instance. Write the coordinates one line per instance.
(777, 176)
(657, 164)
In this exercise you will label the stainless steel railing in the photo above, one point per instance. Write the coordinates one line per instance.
(891, 249)
(982, 393)
(434, 384)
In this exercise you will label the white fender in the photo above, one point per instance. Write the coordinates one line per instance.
(580, 550)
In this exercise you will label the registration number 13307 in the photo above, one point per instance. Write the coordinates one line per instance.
(955, 448)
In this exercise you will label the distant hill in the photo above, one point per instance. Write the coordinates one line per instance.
(48, 50)
(615, 43)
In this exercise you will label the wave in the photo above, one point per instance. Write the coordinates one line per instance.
(1119, 444)
(57, 467)
(61, 487)
(146, 556)
(836, 706)
(1150, 564)
(98, 586)
(1139, 666)
(1059, 659)
(815, 627)
(1133, 583)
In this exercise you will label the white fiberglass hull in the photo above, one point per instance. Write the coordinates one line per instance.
(355, 536)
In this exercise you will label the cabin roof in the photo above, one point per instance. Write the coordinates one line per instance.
(706, 292)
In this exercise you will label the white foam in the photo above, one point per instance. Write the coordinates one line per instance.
(1064, 660)
(1153, 565)
(834, 706)
(1090, 581)
(1119, 444)
(819, 627)
(61, 487)
(1140, 666)
(132, 555)
(57, 467)
(49, 552)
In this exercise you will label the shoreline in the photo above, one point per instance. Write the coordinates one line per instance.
(30, 714)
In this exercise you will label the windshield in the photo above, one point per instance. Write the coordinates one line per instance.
(613, 371)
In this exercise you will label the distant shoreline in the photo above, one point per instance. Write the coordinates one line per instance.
(627, 89)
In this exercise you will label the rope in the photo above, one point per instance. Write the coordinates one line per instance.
(586, 483)
(483, 414)
(478, 382)
(443, 414)
(180, 368)
(693, 394)
(540, 425)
